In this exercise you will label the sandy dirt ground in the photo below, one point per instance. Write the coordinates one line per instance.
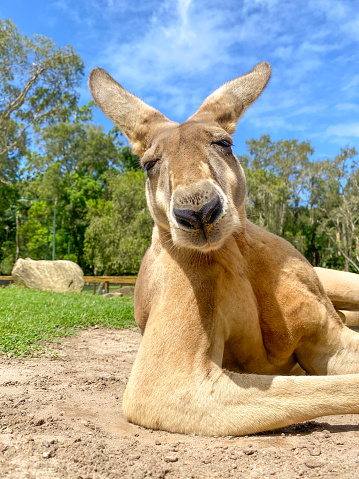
(60, 417)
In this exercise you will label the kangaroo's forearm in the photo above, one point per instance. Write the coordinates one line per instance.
(268, 402)
(233, 404)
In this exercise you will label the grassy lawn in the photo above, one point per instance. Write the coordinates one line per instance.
(28, 317)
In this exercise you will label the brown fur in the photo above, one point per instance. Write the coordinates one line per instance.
(228, 310)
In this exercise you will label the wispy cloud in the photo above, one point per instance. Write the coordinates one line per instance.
(343, 130)
(353, 83)
(277, 123)
(347, 107)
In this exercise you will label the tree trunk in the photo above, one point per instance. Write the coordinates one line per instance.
(346, 247)
(17, 238)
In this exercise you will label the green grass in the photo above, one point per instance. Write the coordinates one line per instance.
(28, 317)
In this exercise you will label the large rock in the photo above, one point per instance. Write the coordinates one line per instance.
(58, 276)
(127, 291)
(115, 294)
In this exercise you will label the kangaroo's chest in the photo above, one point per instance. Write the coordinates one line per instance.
(252, 345)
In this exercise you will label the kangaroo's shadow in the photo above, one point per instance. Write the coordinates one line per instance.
(309, 427)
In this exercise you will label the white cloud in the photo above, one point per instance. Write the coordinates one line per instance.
(284, 52)
(332, 9)
(354, 82)
(353, 27)
(347, 107)
(308, 110)
(344, 130)
(177, 46)
(277, 123)
(185, 43)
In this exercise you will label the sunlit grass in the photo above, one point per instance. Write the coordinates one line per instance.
(28, 317)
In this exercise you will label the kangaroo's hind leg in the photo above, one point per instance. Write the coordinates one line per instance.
(332, 349)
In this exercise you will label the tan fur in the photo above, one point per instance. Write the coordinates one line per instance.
(350, 318)
(341, 287)
(228, 311)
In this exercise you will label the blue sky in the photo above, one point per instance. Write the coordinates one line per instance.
(174, 53)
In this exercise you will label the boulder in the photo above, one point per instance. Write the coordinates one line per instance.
(115, 294)
(127, 290)
(58, 276)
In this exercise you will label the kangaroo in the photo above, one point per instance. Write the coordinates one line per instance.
(239, 335)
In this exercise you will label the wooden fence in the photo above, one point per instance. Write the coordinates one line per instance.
(120, 280)
(107, 280)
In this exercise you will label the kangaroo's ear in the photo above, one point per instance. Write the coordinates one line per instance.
(227, 104)
(136, 120)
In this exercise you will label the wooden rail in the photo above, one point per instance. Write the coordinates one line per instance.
(96, 279)
(110, 279)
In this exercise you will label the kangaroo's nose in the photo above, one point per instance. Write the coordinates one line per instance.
(199, 219)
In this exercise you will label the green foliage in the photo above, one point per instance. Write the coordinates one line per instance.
(120, 229)
(312, 204)
(129, 160)
(8, 211)
(28, 317)
(278, 178)
(339, 221)
(267, 201)
(37, 87)
(74, 164)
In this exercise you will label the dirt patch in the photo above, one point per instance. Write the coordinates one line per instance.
(60, 417)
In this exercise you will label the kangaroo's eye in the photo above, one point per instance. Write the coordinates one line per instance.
(149, 165)
(223, 143)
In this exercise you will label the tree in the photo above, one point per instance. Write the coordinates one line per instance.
(8, 231)
(73, 161)
(120, 229)
(277, 177)
(73, 165)
(129, 160)
(340, 208)
(314, 204)
(37, 86)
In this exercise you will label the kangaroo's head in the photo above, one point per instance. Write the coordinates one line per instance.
(195, 185)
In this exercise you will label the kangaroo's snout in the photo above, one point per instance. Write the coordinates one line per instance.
(199, 219)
